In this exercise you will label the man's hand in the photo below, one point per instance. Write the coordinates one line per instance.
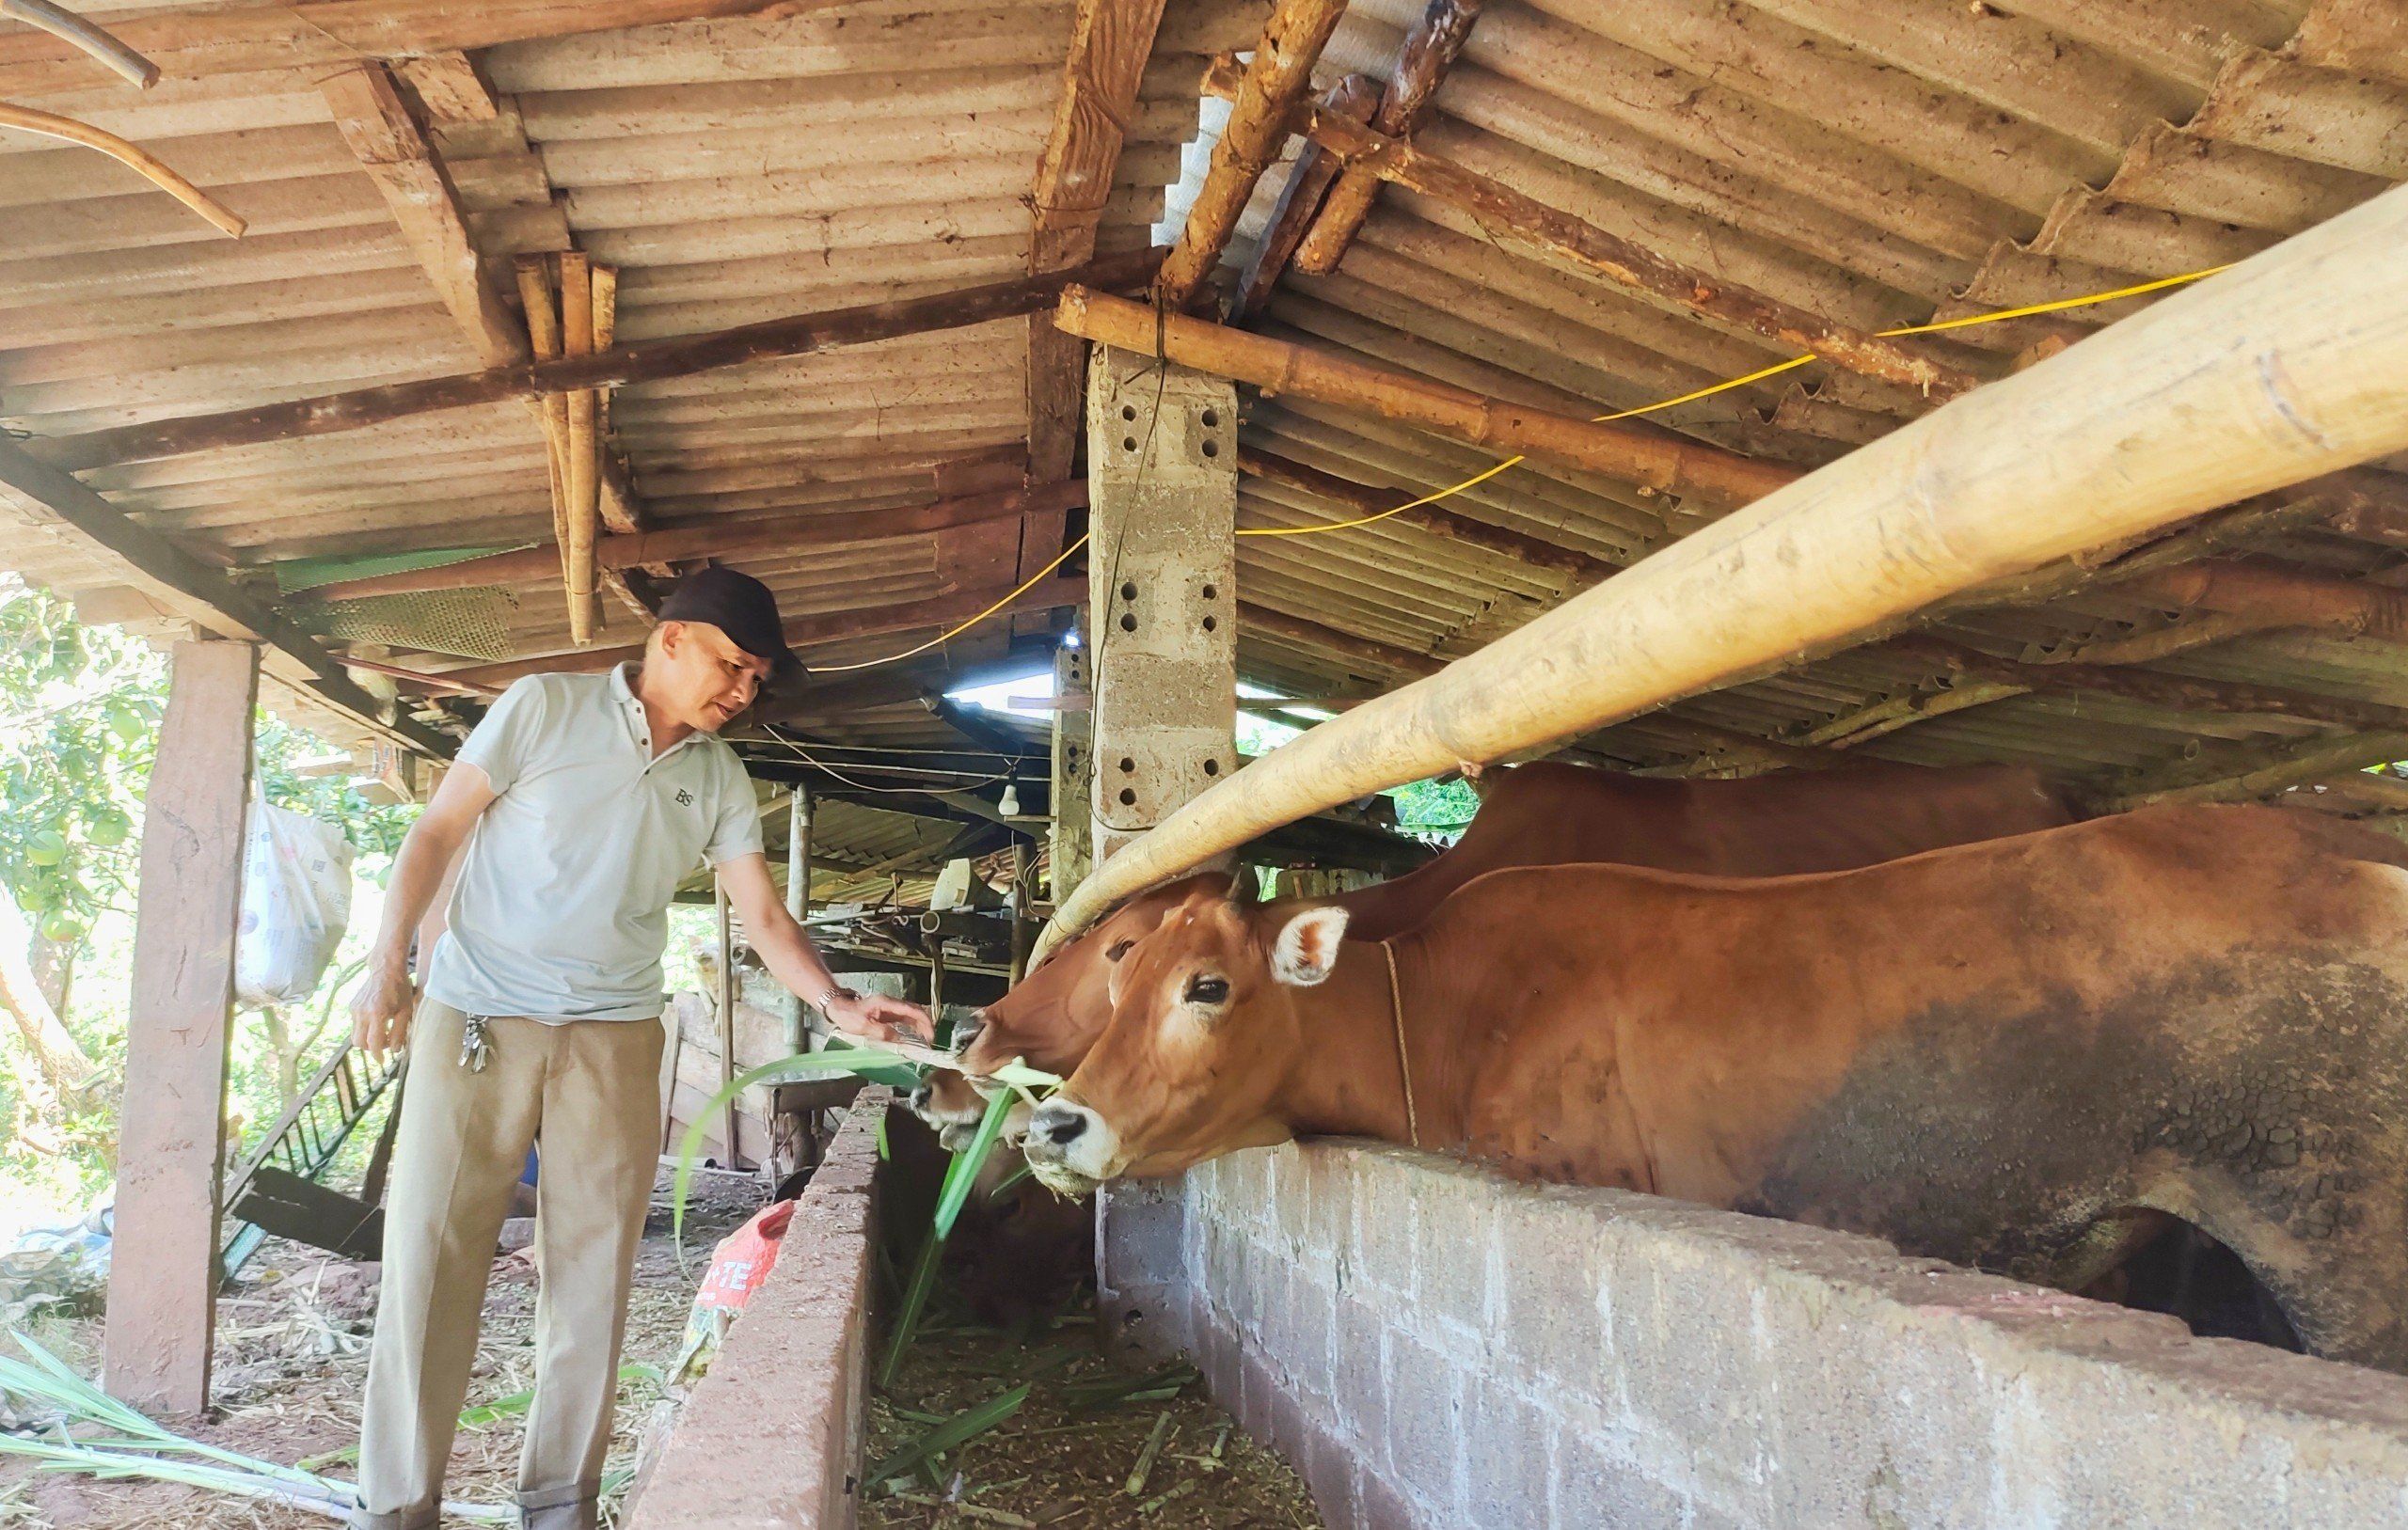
(381, 1007)
(874, 1017)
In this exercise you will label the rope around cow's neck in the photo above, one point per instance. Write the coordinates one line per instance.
(1403, 1059)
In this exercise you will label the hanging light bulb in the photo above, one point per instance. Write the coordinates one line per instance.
(1009, 806)
(1071, 639)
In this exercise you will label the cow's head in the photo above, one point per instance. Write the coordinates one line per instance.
(1052, 1016)
(1204, 1030)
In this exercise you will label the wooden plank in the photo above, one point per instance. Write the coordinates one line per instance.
(163, 1277)
(650, 361)
(53, 494)
(308, 1212)
(828, 627)
(192, 45)
(377, 125)
(1275, 82)
(1423, 60)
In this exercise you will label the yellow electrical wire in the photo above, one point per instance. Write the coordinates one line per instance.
(1936, 326)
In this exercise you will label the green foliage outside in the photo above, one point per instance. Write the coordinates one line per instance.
(80, 709)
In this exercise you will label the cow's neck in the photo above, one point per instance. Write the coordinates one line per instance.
(1348, 1082)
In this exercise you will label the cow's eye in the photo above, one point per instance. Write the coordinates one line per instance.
(1117, 950)
(1207, 990)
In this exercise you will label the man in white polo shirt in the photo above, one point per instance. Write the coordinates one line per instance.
(581, 802)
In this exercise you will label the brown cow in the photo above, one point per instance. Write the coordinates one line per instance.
(1547, 815)
(2026, 1055)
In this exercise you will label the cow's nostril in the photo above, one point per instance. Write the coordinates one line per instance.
(920, 1097)
(1062, 1128)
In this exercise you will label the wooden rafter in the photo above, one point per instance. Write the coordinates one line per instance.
(786, 534)
(1509, 214)
(1353, 98)
(1274, 81)
(808, 631)
(1423, 60)
(49, 494)
(679, 356)
(193, 45)
(1653, 459)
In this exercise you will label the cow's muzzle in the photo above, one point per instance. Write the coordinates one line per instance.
(1067, 1139)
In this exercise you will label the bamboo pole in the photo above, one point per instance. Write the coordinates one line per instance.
(580, 471)
(2293, 364)
(1275, 80)
(134, 157)
(1423, 60)
(86, 35)
(1508, 214)
(1653, 459)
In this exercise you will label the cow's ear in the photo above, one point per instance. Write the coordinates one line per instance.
(1306, 950)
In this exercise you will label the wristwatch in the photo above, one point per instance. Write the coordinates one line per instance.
(839, 991)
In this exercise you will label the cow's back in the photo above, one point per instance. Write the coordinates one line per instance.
(1784, 824)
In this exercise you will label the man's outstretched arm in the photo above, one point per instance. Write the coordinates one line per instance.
(791, 958)
(381, 1006)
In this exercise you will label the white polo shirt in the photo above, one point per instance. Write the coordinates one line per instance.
(561, 908)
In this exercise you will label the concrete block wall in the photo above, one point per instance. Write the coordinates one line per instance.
(1434, 1346)
(771, 1439)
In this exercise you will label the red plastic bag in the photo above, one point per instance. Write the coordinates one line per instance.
(738, 1266)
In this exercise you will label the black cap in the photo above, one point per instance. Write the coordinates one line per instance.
(737, 605)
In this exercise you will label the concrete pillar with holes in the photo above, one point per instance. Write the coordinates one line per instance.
(1162, 645)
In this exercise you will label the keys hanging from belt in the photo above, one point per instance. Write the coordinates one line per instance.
(476, 1048)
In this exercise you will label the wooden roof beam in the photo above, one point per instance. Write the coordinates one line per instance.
(1274, 81)
(1353, 98)
(809, 631)
(53, 494)
(320, 34)
(1423, 60)
(679, 356)
(1509, 214)
(1639, 454)
(619, 553)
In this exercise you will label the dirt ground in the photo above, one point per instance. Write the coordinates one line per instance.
(1067, 1459)
(293, 1353)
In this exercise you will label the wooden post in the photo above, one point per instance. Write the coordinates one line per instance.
(1162, 634)
(163, 1277)
(1423, 60)
(726, 997)
(799, 889)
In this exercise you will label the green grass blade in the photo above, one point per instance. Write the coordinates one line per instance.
(966, 1166)
(916, 1301)
(960, 1428)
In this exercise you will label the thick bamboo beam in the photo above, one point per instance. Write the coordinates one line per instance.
(1423, 60)
(580, 467)
(808, 631)
(318, 34)
(233, 610)
(1353, 98)
(837, 528)
(1653, 459)
(2293, 364)
(1363, 499)
(1275, 80)
(1110, 41)
(680, 356)
(1509, 214)
(134, 157)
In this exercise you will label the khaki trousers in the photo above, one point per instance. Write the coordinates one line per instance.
(591, 1090)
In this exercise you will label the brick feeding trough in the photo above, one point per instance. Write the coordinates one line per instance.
(1437, 1347)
